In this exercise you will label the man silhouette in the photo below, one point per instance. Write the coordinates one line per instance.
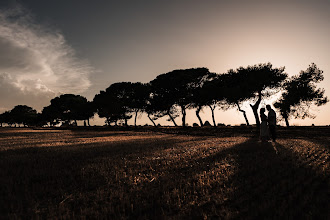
(271, 122)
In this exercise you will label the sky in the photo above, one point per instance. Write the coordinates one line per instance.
(81, 47)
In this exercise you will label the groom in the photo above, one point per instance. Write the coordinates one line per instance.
(271, 122)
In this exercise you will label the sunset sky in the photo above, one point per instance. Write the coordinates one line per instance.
(81, 47)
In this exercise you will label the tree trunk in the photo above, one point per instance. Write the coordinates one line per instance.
(183, 111)
(213, 119)
(136, 113)
(126, 122)
(172, 119)
(75, 121)
(199, 108)
(152, 120)
(244, 114)
(286, 121)
(88, 122)
(255, 109)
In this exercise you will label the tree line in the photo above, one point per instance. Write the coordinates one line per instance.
(172, 94)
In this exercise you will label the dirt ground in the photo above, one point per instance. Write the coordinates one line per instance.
(166, 173)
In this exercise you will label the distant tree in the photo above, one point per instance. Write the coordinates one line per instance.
(6, 118)
(108, 107)
(23, 114)
(176, 89)
(150, 115)
(159, 105)
(150, 104)
(51, 114)
(2, 119)
(138, 98)
(210, 94)
(197, 103)
(103, 106)
(40, 120)
(263, 81)
(300, 93)
(236, 91)
(150, 110)
(214, 94)
(204, 95)
(118, 101)
(88, 112)
(65, 108)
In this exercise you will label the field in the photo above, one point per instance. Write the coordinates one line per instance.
(145, 173)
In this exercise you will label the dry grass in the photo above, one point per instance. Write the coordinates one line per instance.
(146, 174)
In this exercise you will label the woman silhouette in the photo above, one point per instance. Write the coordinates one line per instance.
(264, 131)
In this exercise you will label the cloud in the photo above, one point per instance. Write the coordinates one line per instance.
(36, 63)
(12, 93)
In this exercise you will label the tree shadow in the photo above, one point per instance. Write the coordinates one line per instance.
(269, 182)
(256, 183)
(35, 180)
(270, 185)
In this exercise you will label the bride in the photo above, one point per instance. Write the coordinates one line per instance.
(264, 132)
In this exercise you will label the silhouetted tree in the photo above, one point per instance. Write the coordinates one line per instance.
(176, 89)
(236, 91)
(214, 95)
(262, 80)
(23, 114)
(108, 107)
(116, 103)
(159, 105)
(2, 119)
(150, 107)
(300, 93)
(40, 120)
(138, 98)
(51, 114)
(204, 95)
(198, 102)
(103, 106)
(65, 108)
(5, 118)
(88, 112)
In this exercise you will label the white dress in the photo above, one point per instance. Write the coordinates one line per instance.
(264, 130)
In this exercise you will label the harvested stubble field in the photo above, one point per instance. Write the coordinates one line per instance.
(164, 173)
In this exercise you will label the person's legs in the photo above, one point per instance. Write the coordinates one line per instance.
(272, 130)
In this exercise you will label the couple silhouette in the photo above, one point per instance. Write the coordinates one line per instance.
(268, 124)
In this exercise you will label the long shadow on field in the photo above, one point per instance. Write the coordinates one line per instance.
(177, 193)
(82, 179)
(264, 185)
(38, 181)
(274, 186)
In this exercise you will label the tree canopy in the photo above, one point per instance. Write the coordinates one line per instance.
(237, 91)
(260, 80)
(120, 100)
(20, 114)
(172, 94)
(68, 107)
(176, 88)
(300, 93)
